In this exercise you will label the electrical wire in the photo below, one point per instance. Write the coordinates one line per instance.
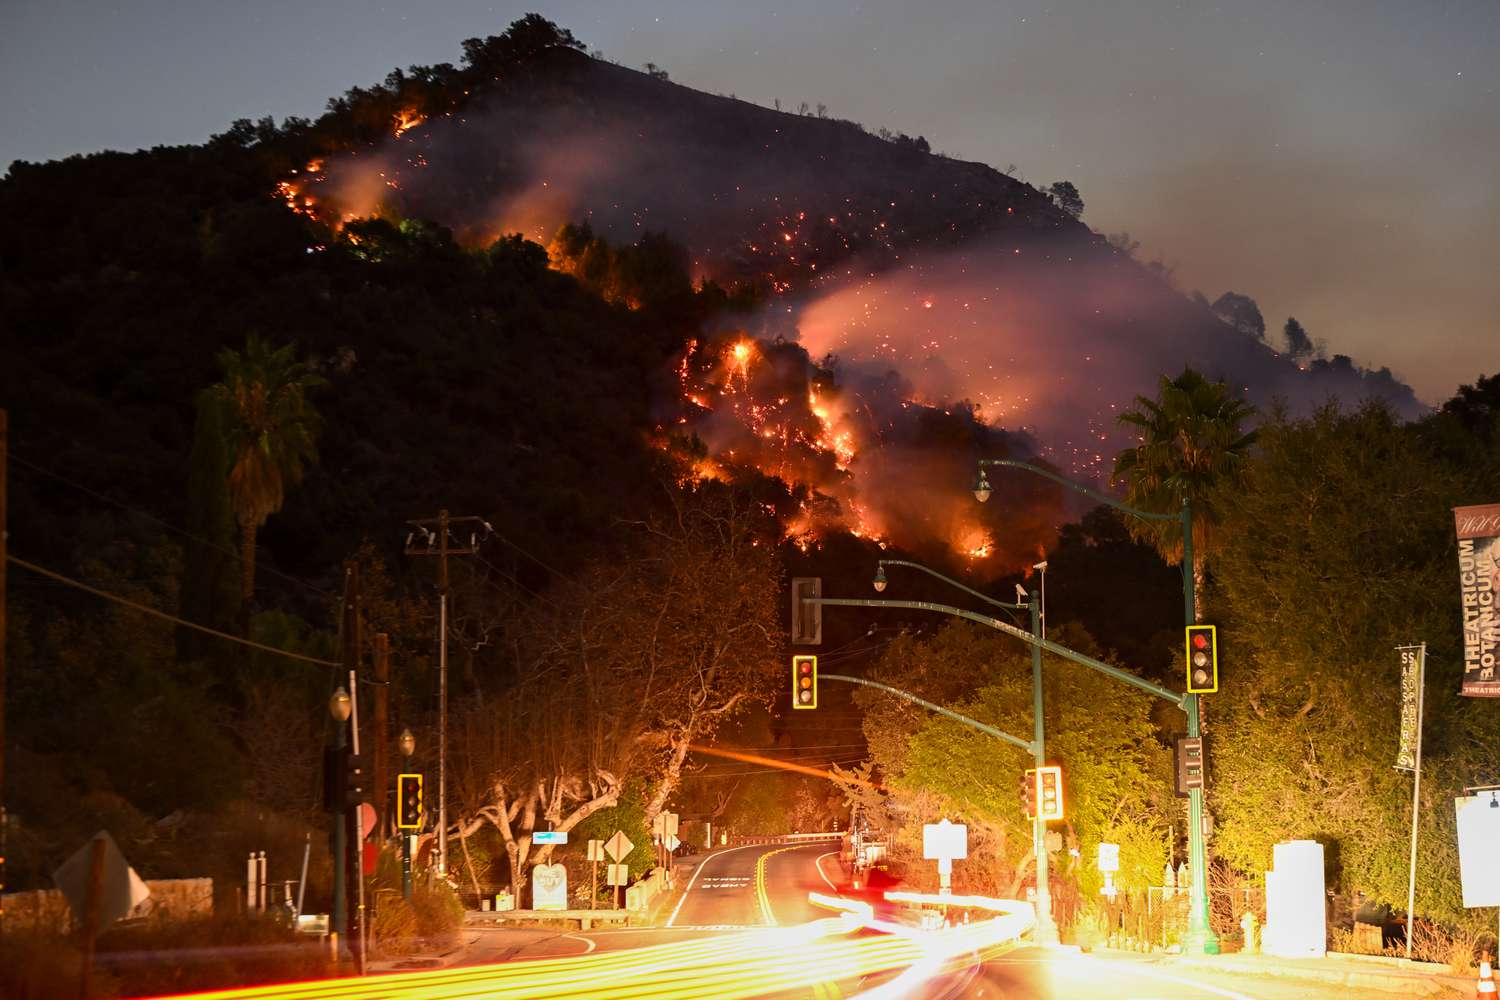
(164, 616)
(237, 556)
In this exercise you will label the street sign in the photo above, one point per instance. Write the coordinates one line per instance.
(549, 837)
(549, 887)
(120, 888)
(596, 851)
(672, 843)
(1109, 857)
(945, 841)
(618, 846)
(618, 875)
(664, 825)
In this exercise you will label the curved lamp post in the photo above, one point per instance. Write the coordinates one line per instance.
(1046, 930)
(339, 707)
(1200, 937)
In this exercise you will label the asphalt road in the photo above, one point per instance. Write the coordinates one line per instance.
(748, 888)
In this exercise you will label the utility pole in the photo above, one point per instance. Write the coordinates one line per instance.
(380, 764)
(352, 648)
(4, 461)
(430, 537)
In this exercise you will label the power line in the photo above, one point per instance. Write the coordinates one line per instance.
(155, 613)
(237, 556)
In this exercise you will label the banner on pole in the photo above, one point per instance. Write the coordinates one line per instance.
(1411, 697)
(1478, 530)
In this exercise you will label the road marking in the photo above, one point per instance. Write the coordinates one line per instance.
(591, 944)
(818, 864)
(760, 885)
(671, 921)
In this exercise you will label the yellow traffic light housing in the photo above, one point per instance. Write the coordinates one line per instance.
(804, 682)
(409, 801)
(1202, 659)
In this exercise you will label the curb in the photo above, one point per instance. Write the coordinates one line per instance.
(412, 963)
(1410, 983)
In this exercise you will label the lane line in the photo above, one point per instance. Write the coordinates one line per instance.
(576, 937)
(760, 884)
(818, 864)
(697, 871)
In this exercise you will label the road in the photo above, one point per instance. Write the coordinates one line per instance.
(744, 927)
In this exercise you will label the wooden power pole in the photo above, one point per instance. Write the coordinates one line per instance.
(380, 756)
(430, 536)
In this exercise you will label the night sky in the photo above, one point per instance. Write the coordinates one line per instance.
(1335, 161)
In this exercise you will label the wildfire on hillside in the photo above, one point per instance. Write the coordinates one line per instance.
(862, 458)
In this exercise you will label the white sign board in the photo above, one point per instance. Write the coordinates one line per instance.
(619, 845)
(1478, 840)
(617, 875)
(1109, 857)
(549, 887)
(596, 851)
(1296, 925)
(541, 837)
(945, 841)
(672, 842)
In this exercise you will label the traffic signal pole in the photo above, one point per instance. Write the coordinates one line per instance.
(1046, 926)
(1201, 939)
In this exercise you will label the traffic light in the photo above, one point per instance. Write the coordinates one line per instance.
(1049, 792)
(357, 779)
(1189, 764)
(804, 682)
(1202, 659)
(409, 801)
(1028, 792)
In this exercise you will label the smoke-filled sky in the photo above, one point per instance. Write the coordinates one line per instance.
(1335, 161)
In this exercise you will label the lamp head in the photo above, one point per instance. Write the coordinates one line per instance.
(981, 487)
(1040, 567)
(879, 580)
(1021, 594)
(339, 705)
(408, 743)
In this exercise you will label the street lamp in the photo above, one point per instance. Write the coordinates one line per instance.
(1046, 929)
(408, 744)
(339, 706)
(1200, 938)
(1041, 568)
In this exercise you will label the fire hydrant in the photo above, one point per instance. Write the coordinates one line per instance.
(1251, 930)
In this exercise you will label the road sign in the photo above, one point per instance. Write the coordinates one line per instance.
(596, 851)
(672, 843)
(540, 837)
(549, 887)
(1109, 857)
(945, 841)
(618, 846)
(665, 825)
(120, 888)
(618, 874)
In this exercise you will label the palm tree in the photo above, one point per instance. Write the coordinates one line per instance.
(271, 428)
(1191, 446)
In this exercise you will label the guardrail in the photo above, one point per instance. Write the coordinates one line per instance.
(787, 838)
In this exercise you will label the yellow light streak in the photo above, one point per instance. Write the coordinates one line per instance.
(754, 963)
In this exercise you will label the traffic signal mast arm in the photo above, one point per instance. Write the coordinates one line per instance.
(1016, 741)
(1180, 700)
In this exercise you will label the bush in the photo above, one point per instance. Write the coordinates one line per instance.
(438, 912)
(206, 953)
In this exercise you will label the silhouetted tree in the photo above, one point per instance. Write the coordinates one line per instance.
(1298, 344)
(1241, 312)
(1066, 197)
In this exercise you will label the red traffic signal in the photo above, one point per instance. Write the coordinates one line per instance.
(804, 682)
(1202, 659)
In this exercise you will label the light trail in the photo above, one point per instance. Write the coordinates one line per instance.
(755, 963)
